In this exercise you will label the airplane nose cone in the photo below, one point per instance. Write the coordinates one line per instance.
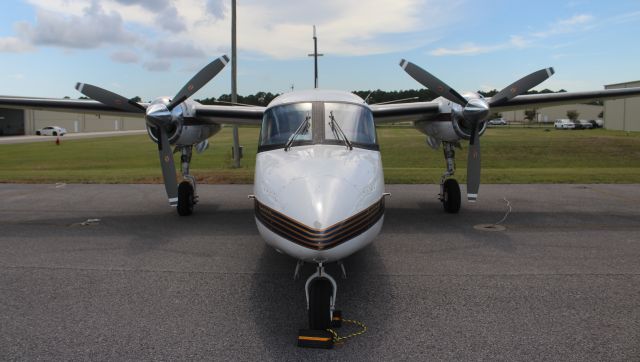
(317, 199)
(476, 109)
(159, 115)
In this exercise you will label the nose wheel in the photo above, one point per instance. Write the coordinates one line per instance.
(321, 291)
(320, 294)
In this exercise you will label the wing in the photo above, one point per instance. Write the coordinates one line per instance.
(64, 105)
(429, 111)
(405, 112)
(205, 114)
(553, 99)
(236, 115)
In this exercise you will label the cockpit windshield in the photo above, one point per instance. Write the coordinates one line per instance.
(355, 121)
(344, 123)
(279, 124)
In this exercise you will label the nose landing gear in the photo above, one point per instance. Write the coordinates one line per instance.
(187, 196)
(449, 188)
(321, 290)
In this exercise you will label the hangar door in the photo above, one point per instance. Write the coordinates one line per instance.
(11, 122)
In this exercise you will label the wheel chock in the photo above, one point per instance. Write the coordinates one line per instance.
(336, 321)
(312, 338)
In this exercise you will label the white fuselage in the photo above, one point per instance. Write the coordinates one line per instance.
(320, 186)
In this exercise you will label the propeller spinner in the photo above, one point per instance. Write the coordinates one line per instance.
(474, 111)
(159, 116)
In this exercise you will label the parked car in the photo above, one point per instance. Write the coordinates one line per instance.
(597, 123)
(564, 124)
(51, 131)
(584, 124)
(498, 122)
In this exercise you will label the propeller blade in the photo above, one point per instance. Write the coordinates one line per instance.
(168, 168)
(521, 86)
(473, 165)
(109, 98)
(434, 84)
(199, 80)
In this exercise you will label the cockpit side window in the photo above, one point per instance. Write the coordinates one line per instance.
(355, 121)
(279, 124)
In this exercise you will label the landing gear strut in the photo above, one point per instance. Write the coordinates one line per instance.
(187, 196)
(449, 188)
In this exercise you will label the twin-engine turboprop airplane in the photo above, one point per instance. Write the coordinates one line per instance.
(318, 191)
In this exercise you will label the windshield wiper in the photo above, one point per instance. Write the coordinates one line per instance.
(302, 128)
(340, 133)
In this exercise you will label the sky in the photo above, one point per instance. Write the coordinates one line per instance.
(150, 48)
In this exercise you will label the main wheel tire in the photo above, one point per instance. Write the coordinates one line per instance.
(55, 133)
(320, 293)
(37, 133)
(451, 196)
(185, 199)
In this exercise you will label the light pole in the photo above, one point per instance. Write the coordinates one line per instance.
(315, 56)
(234, 86)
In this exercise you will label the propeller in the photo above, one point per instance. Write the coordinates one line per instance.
(474, 111)
(159, 116)
(199, 80)
(109, 98)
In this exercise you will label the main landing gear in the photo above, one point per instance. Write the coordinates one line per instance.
(321, 290)
(187, 196)
(449, 188)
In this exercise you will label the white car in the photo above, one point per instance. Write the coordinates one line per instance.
(564, 124)
(498, 122)
(51, 131)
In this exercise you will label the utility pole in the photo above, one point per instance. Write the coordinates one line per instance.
(234, 86)
(315, 56)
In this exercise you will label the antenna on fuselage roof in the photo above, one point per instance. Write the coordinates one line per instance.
(315, 56)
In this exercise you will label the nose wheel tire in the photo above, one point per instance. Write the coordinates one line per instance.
(320, 293)
(451, 196)
(185, 199)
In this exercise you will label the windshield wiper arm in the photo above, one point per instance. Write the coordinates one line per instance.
(334, 125)
(302, 128)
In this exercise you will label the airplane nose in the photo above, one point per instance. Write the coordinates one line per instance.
(320, 202)
(318, 197)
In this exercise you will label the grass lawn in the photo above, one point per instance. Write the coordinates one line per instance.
(509, 155)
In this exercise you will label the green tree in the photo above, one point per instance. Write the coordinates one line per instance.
(530, 114)
(495, 115)
(572, 114)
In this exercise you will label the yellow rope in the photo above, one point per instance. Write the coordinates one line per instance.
(338, 339)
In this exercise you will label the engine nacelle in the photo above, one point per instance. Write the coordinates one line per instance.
(181, 132)
(463, 129)
(449, 125)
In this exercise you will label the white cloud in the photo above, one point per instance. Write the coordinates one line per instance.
(170, 20)
(575, 23)
(217, 8)
(94, 28)
(175, 49)
(474, 49)
(466, 49)
(125, 57)
(157, 65)
(274, 28)
(151, 5)
(14, 45)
